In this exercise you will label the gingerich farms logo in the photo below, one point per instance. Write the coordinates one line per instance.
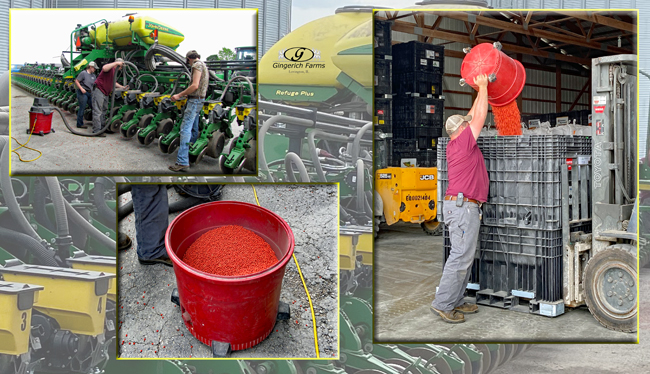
(299, 58)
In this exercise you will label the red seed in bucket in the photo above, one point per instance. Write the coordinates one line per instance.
(230, 251)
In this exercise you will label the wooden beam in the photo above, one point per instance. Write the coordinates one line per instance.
(541, 67)
(579, 23)
(600, 19)
(587, 84)
(509, 26)
(409, 28)
(546, 23)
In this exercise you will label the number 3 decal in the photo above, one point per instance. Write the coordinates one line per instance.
(23, 325)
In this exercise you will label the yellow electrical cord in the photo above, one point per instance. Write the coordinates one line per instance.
(311, 306)
(25, 146)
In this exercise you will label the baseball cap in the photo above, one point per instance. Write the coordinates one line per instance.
(453, 122)
(92, 64)
(119, 60)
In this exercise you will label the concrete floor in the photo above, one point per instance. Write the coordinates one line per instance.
(65, 153)
(592, 358)
(408, 267)
(312, 213)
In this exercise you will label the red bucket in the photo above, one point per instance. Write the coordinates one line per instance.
(240, 310)
(508, 76)
(40, 123)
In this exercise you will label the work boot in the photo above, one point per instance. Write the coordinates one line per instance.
(164, 259)
(467, 308)
(178, 167)
(451, 316)
(123, 242)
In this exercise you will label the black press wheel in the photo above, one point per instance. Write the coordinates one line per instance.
(610, 281)
(174, 145)
(216, 144)
(164, 148)
(149, 138)
(145, 120)
(165, 126)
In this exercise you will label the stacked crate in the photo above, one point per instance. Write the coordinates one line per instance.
(518, 263)
(418, 103)
(382, 116)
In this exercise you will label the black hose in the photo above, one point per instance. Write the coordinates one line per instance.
(106, 125)
(8, 192)
(185, 203)
(40, 211)
(63, 240)
(77, 219)
(124, 210)
(106, 214)
(123, 188)
(18, 243)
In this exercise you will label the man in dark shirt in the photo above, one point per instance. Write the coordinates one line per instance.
(468, 189)
(84, 82)
(102, 91)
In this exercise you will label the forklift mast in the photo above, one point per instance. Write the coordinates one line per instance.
(614, 188)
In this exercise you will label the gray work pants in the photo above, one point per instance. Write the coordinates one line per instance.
(463, 224)
(100, 106)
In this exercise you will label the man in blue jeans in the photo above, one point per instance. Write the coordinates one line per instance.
(84, 82)
(195, 95)
(151, 210)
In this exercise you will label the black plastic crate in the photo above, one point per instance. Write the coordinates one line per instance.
(383, 40)
(418, 56)
(427, 137)
(383, 114)
(523, 263)
(383, 153)
(417, 82)
(426, 158)
(526, 179)
(404, 145)
(386, 129)
(383, 77)
(413, 111)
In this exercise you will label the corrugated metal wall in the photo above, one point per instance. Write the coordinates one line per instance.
(274, 19)
(643, 37)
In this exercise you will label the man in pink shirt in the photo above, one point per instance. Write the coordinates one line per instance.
(102, 91)
(467, 191)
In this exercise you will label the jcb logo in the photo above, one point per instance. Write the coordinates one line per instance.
(428, 177)
(298, 54)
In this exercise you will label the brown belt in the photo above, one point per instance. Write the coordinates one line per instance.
(454, 198)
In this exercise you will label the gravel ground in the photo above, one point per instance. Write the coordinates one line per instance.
(312, 213)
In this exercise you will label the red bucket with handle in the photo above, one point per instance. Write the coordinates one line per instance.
(239, 310)
(507, 76)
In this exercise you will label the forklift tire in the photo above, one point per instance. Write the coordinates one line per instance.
(433, 228)
(610, 281)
